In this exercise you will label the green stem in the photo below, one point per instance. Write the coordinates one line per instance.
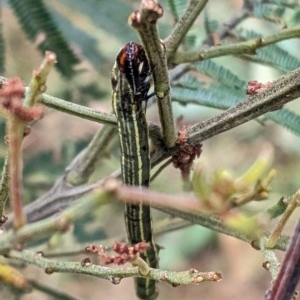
(270, 258)
(183, 25)
(38, 81)
(282, 91)
(188, 208)
(144, 21)
(226, 29)
(81, 169)
(77, 110)
(30, 232)
(116, 274)
(215, 224)
(247, 47)
(90, 114)
(164, 226)
(294, 203)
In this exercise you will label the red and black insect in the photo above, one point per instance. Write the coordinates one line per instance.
(133, 63)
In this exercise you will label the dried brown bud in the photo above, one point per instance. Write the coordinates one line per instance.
(3, 219)
(86, 262)
(49, 270)
(266, 265)
(40, 253)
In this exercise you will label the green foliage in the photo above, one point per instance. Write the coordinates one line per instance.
(35, 19)
(219, 73)
(176, 8)
(286, 118)
(109, 16)
(83, 40)
(269, 12)
(295, 19)
(210, 25)
(212, 83)
(285, 3)
(272, 55)
(210, 95)
(226, 90)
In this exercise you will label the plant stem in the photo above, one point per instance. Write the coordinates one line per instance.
(271, 260)
(89, 113)
(81, 169)
(187, 208)
(183, 25)
(45, 227)
(285, 284)
(116, 274)
(37, 84)
(282, 91)
(225, 29)
(144, 21)
(294, 203)
(247, 47)
(77, 110)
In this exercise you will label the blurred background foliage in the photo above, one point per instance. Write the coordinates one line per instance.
(86, 35)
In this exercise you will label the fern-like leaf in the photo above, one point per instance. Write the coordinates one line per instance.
(272, 55)
(35, 19)
(286, 118)
(177, 8)
(210, 25)
(295, 18)
(215, 95)
(85, 42)
(286, 3)
(219, 73)
(270, 12)
(109, 16)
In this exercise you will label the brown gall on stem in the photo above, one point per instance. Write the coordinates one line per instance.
(266, 265)
(40, 253)
(3, 219)
(175, 284)
(255, 244)
(86, 262)
(116, 280)
(49, 270)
